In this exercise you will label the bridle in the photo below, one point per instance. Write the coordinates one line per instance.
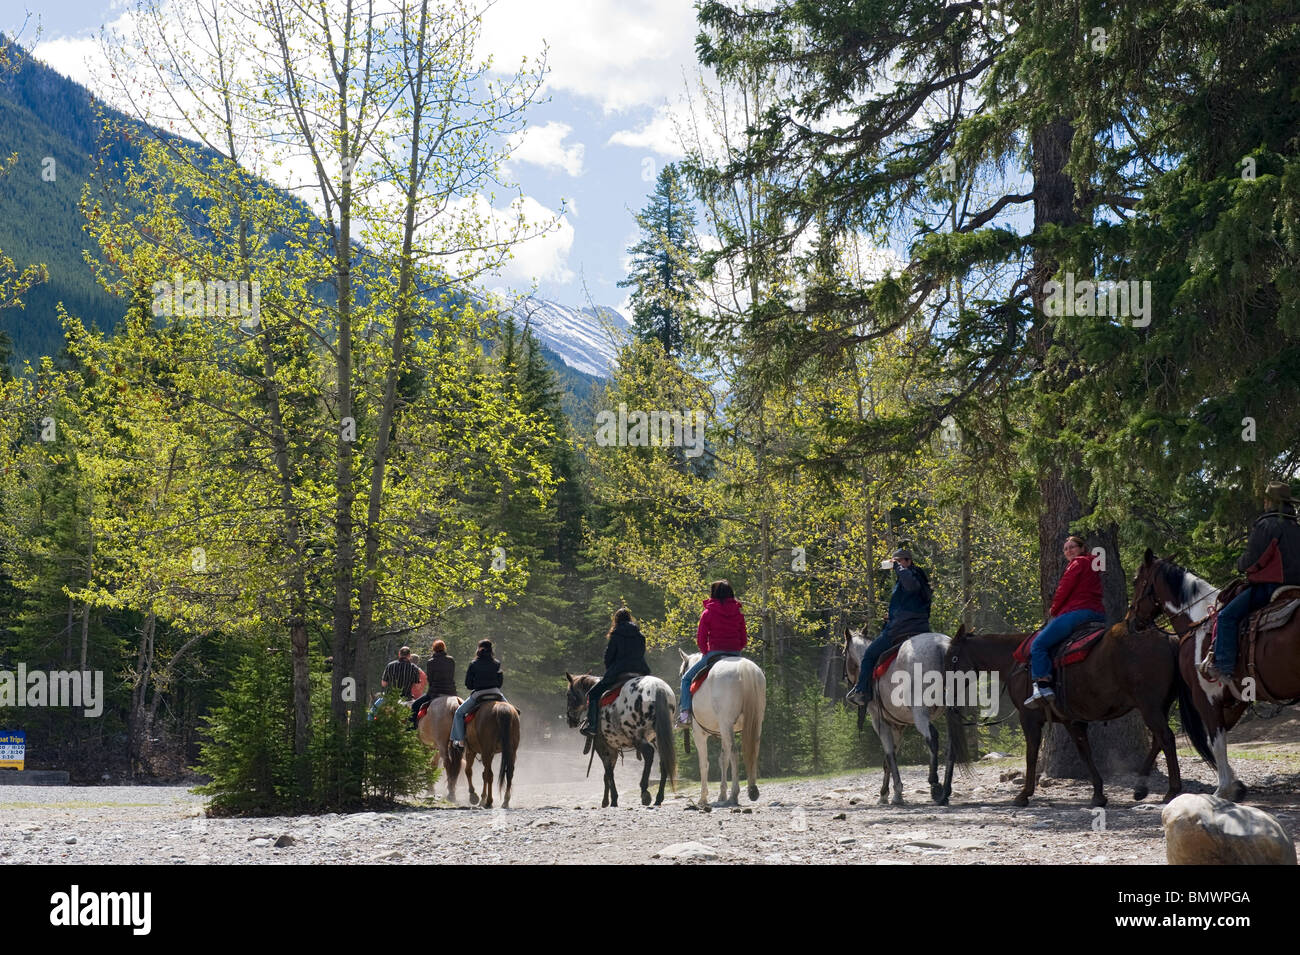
(1158, 608)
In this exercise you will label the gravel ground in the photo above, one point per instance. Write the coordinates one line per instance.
(555, 818)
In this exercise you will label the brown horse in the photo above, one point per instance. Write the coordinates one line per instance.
(495, 728)
(1129, 669)
(435, 733)
(1161, 586)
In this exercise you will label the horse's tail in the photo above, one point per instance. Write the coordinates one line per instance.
(754, 686)
(1191, 720)
(664, 736)
(505, 721)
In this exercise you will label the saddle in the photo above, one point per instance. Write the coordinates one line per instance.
(1276, 614)
(700, 677)
(612, 693)
(885, 662)
(1074, 649)
(490, 697)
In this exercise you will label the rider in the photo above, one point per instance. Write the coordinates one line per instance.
(483, 676)
(1077, 601)
(909, 614)
(401, 673)
(1272, 558)
(441, 677)
(624, 653)
(721, 632)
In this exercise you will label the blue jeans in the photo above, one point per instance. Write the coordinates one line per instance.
(870, 657)
(458, 721)
(693, 671)
(1230, 620)
(1057, 630)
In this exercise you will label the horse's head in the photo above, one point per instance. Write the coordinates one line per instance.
(854, 644)
(576, 704)
(957, 648)
(1159, 586)
(687, 660)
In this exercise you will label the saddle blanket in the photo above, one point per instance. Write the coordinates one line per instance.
(703, 674)
(1074, 650)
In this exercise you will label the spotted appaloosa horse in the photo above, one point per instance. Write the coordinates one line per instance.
(639, 719)
(732, 700)
(896, 705)
(1163, 587)
(435, 733)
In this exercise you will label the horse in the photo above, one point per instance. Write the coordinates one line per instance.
(893, 708)
(435, 733)
(495, 727)
(639, 719)
(1131, 668)
(1161, 586)
(732, 700)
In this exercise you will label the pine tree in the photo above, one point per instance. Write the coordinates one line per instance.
(663, 276)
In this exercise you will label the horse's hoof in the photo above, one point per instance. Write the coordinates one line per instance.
(1141, 793)
(1171, 795)
(473, 799)
(645, 797)
(896, 801)
(883, 801)
(1237, 791)
(1022, 800)
(753, 793)
(1098, 802)
(943, 801)
(659, 801)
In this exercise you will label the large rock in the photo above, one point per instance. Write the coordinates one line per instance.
(686, 850)
(1206, 830)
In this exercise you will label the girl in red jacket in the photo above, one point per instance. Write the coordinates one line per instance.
(721, 633)
(1077, 601)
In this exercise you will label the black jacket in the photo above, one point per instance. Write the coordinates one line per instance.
(909, 604)
(1282, 528)
(484, 674)
(625, 651)
(441, 670)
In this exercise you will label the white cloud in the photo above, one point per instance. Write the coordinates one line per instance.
(544, 146)
(621, 55)
(659, 135)
(541, 257)
(77, 58)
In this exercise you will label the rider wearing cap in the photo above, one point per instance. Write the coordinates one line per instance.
(909, 614)
(1272, 558)
(1077, 601)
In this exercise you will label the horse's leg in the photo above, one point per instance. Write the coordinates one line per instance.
(469, 775)
(887, 747)
(702, 754)
(1032, 725)
(1079, 733)
(897, 798)
(647, 757)
(1157, 721)
(931, 735)
(1144, 771)
(487, 779)
(729, 765)
(611, 790)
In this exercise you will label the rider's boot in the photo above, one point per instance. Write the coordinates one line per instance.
(1042, 694)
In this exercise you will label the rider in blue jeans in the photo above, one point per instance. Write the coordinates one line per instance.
(909, 614)
(1077, 601)
(1272, 558)
(483, 676)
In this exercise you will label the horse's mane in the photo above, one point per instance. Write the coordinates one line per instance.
(1178, 579)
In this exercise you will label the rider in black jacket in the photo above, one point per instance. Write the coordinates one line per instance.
(624, 653)
(483, 676)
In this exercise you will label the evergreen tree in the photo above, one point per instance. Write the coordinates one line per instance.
(663, 277)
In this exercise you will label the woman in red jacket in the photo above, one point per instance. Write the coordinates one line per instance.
(721, 633)
(1077, 601)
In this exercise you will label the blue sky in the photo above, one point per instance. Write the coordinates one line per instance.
(617, 72)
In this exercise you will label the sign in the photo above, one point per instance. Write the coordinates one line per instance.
(13, 749)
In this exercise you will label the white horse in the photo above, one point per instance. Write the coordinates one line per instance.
(732, 700)
(896, 704)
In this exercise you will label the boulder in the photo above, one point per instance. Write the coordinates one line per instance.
(686, 850)
(1203, 829)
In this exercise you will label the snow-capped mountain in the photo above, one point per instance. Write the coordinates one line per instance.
(586, 339)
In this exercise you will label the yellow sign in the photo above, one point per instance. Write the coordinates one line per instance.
(13, 749)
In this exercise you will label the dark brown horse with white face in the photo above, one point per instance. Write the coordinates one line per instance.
(1163, 587)
(1129, 669)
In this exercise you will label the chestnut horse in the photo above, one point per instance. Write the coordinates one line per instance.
(435, 733)
(1163, 587)
(495, 727)
(1129, 669)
